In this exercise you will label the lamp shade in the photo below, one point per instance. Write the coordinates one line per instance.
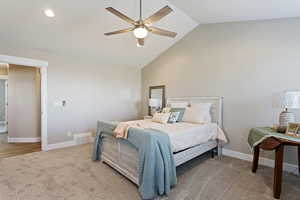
(290, 99)
(154, 102)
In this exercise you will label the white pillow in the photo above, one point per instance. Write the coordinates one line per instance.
(161, 118)
(179, 104)
(198, 113)
(166, 110)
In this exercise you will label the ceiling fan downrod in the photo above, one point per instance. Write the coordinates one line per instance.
(141, 19)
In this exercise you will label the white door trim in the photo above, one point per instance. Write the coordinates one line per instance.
(5, 78)
(27, 62)
(6, 103)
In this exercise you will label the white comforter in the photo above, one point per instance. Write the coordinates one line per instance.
(184, 135)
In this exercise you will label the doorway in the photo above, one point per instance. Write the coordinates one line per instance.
(42, 65)
(21, 113)
(3, 98)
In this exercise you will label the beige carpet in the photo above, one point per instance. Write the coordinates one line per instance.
(69, 174)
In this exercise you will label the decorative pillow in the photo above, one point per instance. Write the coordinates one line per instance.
(173, 117)
(181, 113)
(198, 113)
(161, 118)
(166, 110)
(179, 104)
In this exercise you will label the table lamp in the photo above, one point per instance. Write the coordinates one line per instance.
(289, 100)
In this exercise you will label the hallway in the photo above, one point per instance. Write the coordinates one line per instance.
(11, 149)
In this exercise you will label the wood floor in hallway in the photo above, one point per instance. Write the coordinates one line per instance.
(12, 149)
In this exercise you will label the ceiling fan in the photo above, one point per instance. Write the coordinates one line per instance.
(141, 27)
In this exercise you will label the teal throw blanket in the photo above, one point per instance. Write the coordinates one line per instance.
(157, 170)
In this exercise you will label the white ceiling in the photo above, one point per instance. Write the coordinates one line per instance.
(77, 29)
(217, 11)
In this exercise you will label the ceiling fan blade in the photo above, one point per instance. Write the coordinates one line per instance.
(158, 15)
(119, 31)
(141, 42)
(162, 32)
(120, 15)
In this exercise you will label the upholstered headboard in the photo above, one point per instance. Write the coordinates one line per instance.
(216, 109)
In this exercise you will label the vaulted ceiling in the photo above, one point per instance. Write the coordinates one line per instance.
(77, 30)
(79, 26)
(217, 11)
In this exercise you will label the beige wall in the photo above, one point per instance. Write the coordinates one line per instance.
(24, 104)
(93, 91)
(244, 62)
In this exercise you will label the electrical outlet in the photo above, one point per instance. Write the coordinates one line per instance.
(69, 133)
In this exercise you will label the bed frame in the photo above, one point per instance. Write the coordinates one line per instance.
(182, 156)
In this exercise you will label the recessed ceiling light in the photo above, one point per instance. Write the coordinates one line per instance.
(49, 13)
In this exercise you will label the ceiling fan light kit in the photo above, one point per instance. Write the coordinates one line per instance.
(141, 27)
(140, 32)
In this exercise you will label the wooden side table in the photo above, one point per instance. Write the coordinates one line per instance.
(278, 145)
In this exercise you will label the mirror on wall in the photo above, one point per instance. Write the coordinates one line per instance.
(156, 99)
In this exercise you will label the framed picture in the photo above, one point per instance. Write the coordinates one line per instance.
(293, 129)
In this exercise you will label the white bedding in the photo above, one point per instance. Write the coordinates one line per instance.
(184, 135)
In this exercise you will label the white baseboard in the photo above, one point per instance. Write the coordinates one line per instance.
(23, 140)
(78, 139)
(61, 145)
(262, 161)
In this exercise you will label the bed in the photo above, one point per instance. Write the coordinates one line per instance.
(123, 157)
